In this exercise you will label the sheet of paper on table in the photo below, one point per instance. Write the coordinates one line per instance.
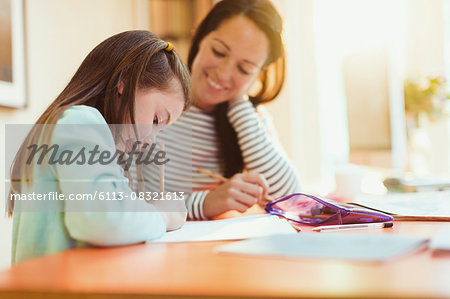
(355, 247)
(229, 229)
(432, 204)
(441, 242)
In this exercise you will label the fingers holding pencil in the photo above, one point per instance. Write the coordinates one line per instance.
(260, 187)
(252, 178)
(239, 192)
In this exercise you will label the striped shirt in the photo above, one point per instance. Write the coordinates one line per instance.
(192, 143)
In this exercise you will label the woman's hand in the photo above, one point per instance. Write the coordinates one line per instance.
(238, 99)
(239, 193)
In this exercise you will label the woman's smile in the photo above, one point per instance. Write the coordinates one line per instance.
(213, 84)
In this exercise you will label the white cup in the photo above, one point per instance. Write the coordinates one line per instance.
(348, 180)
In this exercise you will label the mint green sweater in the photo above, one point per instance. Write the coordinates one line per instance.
(37, 233)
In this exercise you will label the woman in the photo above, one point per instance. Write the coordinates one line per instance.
(132, 78)
(236, 49)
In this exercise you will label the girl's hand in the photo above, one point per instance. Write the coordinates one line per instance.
(239, 193)
(173, 220)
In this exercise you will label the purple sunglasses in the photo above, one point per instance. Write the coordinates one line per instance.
(311, 210)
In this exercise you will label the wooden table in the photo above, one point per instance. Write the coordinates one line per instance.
(193, 270)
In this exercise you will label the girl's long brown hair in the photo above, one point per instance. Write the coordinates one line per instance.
(135, 60)
(271, 78)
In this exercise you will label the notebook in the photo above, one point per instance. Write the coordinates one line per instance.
(411, 206)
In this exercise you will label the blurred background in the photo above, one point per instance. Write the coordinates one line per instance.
(366, 79)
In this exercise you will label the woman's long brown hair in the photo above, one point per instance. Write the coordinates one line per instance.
(271, 78)
(135, 60)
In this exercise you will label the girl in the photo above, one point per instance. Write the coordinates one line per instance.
(131, 78)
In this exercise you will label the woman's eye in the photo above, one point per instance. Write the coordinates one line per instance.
(217, 53)
(241, 69)
(155, 120)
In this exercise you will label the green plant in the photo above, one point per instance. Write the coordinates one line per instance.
(426, 96)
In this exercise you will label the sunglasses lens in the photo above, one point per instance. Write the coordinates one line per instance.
(304, 209)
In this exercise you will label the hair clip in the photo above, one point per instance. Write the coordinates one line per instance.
(169, 47)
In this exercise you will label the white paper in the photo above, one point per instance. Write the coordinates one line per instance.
(436, 203)
(441, 242)
(355, 247)
(229, 229)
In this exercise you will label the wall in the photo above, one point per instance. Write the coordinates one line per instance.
(59, 34)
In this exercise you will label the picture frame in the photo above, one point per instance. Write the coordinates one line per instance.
(12, 54)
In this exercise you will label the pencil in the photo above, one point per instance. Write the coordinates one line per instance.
(223, 179)
(212, 174)
(353, 226)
